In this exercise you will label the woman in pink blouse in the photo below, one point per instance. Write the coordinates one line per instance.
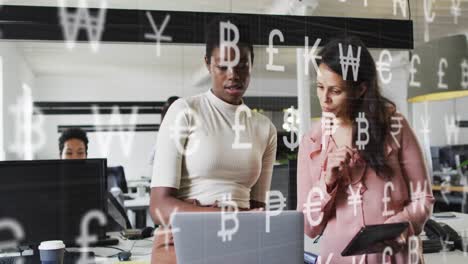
(348, 178)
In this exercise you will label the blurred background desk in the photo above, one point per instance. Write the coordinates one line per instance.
(138, 210)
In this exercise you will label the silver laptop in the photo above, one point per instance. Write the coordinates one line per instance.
(203, 239)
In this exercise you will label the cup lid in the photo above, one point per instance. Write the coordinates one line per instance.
(51, 245)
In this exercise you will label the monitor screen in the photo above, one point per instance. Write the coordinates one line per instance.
(447, 155)
(50, 197)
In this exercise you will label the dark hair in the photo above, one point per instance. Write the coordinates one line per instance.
(212, 34)
(376, 107)
(167, 104)
(72, 133)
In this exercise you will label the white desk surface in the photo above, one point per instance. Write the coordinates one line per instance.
(141, 252)
(139, 202)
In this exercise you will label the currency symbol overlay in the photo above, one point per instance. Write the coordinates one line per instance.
(18, 233)
(291, 123)
(238, 127)
(229, 211)
(73, 22)
(85, 238)
(363, 129)
(274, 206)
(271, 51)
(349, 60)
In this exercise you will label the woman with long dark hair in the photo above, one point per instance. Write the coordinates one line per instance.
(362, 164)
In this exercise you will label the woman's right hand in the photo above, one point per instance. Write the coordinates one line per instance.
(337, 161)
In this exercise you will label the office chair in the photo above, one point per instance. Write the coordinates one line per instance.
(117, 208)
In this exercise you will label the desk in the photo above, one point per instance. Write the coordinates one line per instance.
(137, 211)
(450, 188)
(460, 223)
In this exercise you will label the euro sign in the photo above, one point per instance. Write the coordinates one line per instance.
(183, 132)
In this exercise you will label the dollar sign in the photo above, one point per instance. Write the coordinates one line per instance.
(290, 122)
(181, 132)
(361, 119)
(237, 127)
(25, 125)
(85, 239)
(18, 233)
(226, 215)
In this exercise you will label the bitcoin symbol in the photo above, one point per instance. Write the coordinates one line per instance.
(183, 132)
(227, 44)
(237, 127)
(290, 124)
(464, 73)
(413, 250)
(25, 125)
(18, 233)
(361, 119)
(85, 238)
(229, 211)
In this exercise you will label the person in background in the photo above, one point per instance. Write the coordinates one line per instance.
(193, 173)
(73, 144)
(336, 167)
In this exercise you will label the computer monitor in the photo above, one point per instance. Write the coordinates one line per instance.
(50, 197)
(447, 155)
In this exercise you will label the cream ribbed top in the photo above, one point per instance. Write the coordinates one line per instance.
(205, 165)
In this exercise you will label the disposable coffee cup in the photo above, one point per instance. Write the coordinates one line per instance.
(51, 252)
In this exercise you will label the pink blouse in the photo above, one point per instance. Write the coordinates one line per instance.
(363, 198)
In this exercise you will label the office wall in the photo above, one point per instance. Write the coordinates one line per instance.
(156, 83)
(16, 72)
(134, 84)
